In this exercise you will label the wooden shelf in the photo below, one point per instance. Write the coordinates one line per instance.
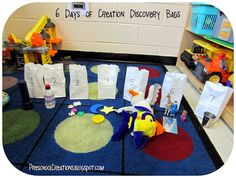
(214, 40)
(220, 42)
(228, 113)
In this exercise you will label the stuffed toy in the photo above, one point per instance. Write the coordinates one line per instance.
(139, 118)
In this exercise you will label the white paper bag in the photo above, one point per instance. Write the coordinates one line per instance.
(107, 79)
(173, 86)
(135, 79)
(213, 99)
(78, 82)
(33, 74)
(54, 75)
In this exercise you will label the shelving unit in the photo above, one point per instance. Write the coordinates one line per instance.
(187, 40)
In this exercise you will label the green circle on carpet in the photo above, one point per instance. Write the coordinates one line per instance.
(17, 124)
(94, 69)
(93, 91)
(81, 135)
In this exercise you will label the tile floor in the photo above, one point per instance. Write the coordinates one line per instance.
(221, 136)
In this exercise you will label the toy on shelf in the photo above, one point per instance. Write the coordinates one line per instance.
(230, 81)
(223, 29)
(6, 52)
(209, 61)
(217, 66)
(139, 118)
(37, 46)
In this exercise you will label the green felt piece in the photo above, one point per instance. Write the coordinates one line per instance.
(17, 124)
(81, 135)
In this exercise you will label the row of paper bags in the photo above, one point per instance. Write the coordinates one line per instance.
(213, 99)
(37, 75)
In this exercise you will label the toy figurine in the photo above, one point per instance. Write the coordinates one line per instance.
(173, 108)
(139, 118)
(168, 105)
(183, 116)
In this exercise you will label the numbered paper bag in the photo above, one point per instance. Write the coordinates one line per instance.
(78, 82)
(107, 79)
(136, 80)
(54, 75)
(213, 99)
(172, 88)
(33, 74)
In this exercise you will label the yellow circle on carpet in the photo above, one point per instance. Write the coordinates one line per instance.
(97, 119)
(80, 135)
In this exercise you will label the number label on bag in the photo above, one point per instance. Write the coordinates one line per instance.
(76, 82)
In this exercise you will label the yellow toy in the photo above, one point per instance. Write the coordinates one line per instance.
(139, 118)
(38, 42)
(97, 119)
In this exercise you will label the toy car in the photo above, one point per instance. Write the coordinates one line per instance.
(216, 66)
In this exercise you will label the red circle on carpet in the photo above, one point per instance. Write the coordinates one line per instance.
(170, 147)
(152, 72)
(8, 82)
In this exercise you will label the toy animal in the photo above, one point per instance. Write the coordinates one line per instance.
(168, 104)
(139, 118)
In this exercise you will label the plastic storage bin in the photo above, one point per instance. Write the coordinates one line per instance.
(203, 19)
(223, 29)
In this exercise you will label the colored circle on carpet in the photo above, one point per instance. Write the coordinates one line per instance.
(97, 119)
(170, 147)
(93, 91)
(18, 124)
(94, 69)
(153, 73)
(81, 135)
(8, 82)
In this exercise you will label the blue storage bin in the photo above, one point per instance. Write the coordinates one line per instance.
(203, 19)
(223, 29)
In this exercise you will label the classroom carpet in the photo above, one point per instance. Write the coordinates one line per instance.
(51, 142)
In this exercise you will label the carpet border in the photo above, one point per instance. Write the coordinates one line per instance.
(117, 57)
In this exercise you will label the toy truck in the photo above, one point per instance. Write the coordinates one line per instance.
(190, 55)
(38, 43)
(216, 66)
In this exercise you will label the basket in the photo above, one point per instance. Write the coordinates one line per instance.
(223, 29)
(203, 19)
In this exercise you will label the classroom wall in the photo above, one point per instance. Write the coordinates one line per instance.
(151, 36)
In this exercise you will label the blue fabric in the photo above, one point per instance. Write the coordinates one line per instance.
(118, 157)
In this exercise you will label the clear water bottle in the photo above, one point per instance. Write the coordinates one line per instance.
(49, 97)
